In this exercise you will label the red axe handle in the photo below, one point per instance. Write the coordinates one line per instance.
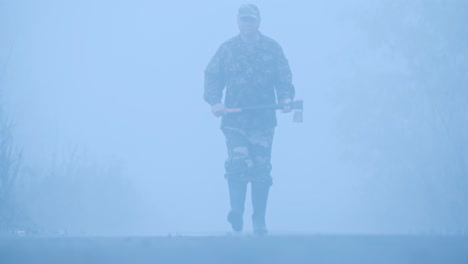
(295, 105)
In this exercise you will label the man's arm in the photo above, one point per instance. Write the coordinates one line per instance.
(285, 91)
(214, 79)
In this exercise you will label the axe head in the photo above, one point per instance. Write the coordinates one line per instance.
(297, 105)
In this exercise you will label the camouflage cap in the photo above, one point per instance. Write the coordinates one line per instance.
(249, 10)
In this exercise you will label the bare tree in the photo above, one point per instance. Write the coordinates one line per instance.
(10, 163)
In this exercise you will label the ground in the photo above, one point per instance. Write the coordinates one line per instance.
(205, 249)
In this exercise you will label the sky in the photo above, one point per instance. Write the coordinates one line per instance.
(106, 101)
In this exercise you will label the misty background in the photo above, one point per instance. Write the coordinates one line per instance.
(101, 107)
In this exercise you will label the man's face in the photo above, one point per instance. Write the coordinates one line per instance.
(248, 25)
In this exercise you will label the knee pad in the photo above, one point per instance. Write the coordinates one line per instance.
(261, 170)
(237, 167)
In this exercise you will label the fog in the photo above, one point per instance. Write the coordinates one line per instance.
(105, 98)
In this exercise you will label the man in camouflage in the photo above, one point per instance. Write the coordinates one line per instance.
(254, 71)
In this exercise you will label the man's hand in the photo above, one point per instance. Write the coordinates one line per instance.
(218, 109)
(287, 105)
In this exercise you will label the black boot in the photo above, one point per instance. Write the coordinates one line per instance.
(237, 192)
(259, 204)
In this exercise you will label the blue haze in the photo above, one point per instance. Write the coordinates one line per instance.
(106, 98)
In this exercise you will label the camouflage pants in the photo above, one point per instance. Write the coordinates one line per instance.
(249, 154)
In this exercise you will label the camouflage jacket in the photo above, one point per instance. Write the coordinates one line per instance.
(253, 74)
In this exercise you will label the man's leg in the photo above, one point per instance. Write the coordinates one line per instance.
(260, 150)
(237, 166)
(237, 193)
(259, 205)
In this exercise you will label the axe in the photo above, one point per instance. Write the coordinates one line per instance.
(297, 107)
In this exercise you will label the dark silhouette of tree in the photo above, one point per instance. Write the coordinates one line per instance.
(10, 163)
(429, 38)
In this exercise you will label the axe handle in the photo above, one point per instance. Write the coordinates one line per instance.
(258, 107)
(295, 105)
